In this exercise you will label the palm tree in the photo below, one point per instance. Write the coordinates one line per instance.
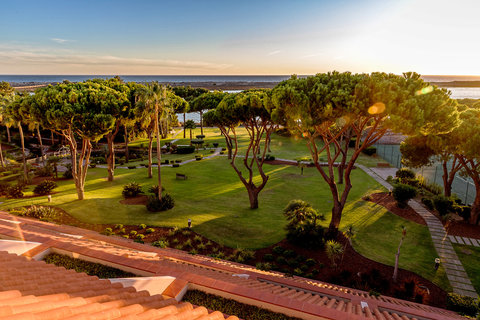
(153, 100)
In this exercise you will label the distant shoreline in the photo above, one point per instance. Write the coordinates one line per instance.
(236, 85)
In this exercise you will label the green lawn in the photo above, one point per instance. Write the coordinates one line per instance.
(469, 256)
(217, 202)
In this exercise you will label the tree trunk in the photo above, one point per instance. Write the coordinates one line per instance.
(253, 197)
(190, 135)
(9, 136)
(184, 133)
(41, 144)
(52, 138)
(336, 217)
(397, 257)
(127, 155)
(340, 169)
(150, 142)
(201, 122)
(1, 154)
(159, 155)
(475, 211)
(447, 187)
(110, 156)
(24, 159)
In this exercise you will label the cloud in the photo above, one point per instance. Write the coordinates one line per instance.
(58, 40)
(274, 53)
(25, 56)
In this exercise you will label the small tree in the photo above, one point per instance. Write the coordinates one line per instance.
(334, 251)
(397, 255)
(190, 124)
(303, 224)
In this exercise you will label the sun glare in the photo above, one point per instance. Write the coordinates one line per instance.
(378, 107)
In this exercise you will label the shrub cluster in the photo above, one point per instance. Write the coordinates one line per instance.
(370, 151)
(131, 190)
(303, 227)
(90, 268)
(45, 171)
(45, 187)
(185, 149)
(466, 306)
(15, 192)
(269, 157)
(44, 213)
(402, 193)
(156, 205)
(405, 173)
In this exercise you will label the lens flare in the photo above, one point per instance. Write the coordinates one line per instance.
(378, 107)
(424, 91)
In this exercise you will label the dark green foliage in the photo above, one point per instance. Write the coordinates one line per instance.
(215, 144)
(464, 305)
(402, 193)
(68, 173)
(428, 203)
(200, 136)
(132, 167)
(4, 188)
(310, 262)
(268, 257)
(45, 187)
(154, 189)
(15, 192)
(465, 212)
(278, 250)
(149, 230)
(156, 205)
(46, 171)
(281, 260)
(90, 268)
(99, 160)
(442, 204)
(303, 227)
(232, 307)
(131, 190)
(185, 149)
(269, 157)
(369, 151)
(289, 253)
(405, 173)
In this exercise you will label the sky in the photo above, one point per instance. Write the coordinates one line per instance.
(225, 37)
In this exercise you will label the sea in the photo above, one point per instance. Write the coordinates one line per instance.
(456, 92)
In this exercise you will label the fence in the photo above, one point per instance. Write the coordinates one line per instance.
(462, 187)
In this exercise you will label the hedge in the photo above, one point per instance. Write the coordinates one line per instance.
(232, 307)
(90, 268)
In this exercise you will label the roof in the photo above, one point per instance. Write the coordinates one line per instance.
(314, 299)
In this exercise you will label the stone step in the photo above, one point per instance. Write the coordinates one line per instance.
(459, 279)
(459, 240)
(465, 293)
(452, 239)
(463, 286)
(457, 273)
(450, 266)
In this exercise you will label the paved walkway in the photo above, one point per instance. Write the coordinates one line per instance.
(465, 241)
(456, 274)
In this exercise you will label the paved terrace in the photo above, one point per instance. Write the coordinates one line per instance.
(309, 299)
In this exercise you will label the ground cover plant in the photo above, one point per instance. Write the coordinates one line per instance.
(90, 268)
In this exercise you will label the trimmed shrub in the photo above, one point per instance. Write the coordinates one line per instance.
(142, 226)
(131, 190)
(45, 187)
(155, 205)
(428, 203)
(90, 268)
(99, 160)
(369, 151)
(132, 167)
(15, 192)
(215, 144)
(464, 305)
(402, 193)
(92, 165)
(442, 204)
(405, 173)
(185, 149)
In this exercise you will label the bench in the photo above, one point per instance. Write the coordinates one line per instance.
(181, 176)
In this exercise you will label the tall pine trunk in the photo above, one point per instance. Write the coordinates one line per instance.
(41, 144)
(52, 138)
(9, 136)
(150, 142)
(159, 154)
(475, 211)
(201, 122)
(110, 156)
(184, 133)
(24, 159)
(127, 155)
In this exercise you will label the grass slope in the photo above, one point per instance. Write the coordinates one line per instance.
(470, 262)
